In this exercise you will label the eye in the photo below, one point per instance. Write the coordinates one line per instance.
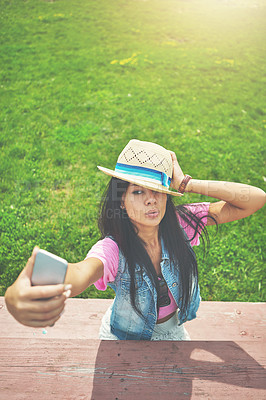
(137, 192)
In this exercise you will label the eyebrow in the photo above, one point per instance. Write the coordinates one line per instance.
(133, 184)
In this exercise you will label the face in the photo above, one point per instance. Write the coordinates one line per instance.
(144, 207)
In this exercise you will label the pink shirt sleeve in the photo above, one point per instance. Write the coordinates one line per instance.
(107, 251)
(200, 210)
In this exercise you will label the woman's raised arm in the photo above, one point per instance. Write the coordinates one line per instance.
(237, 200)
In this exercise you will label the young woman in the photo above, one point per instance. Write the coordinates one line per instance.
(145, 253)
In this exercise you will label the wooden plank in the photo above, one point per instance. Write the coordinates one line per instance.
(229, 321)
(215, 321)
(81, 320)
(92, 369)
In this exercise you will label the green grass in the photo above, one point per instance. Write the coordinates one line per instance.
(79, 79)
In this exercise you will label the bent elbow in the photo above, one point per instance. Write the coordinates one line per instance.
(261, 199)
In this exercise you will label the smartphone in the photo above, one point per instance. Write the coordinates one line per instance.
(48, 269)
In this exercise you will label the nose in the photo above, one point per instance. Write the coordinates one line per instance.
(150, 197)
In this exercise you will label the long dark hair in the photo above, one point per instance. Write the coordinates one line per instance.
(114, 221)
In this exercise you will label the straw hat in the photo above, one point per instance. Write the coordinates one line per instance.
(145, 164)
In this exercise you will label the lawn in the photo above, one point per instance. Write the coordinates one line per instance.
(80, 78)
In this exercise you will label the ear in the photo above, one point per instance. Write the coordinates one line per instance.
(123, 200)
(122, 205)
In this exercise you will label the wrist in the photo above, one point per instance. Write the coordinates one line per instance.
(184, 183)
(189, 187)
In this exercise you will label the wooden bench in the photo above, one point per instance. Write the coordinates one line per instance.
(224, 360)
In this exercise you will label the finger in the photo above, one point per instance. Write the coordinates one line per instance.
(27, 271)
(45, 317)
(41, 324)
(44, 306)
(173, 155)
(60, 317)
(47, 291)
(53, 321)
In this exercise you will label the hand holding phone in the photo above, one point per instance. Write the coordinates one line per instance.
(23, 299)
(48, 269)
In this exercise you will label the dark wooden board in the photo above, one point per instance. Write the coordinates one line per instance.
(62, 369)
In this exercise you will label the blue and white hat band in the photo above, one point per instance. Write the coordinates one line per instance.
(143, 172)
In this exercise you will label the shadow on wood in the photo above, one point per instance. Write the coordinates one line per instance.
(108, 370)
(177, 370)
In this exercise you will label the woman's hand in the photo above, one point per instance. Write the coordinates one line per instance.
(178, 175)
(36, 306)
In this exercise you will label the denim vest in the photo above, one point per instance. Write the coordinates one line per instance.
(125, 323)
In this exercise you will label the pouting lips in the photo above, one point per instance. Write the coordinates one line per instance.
(152, 213)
